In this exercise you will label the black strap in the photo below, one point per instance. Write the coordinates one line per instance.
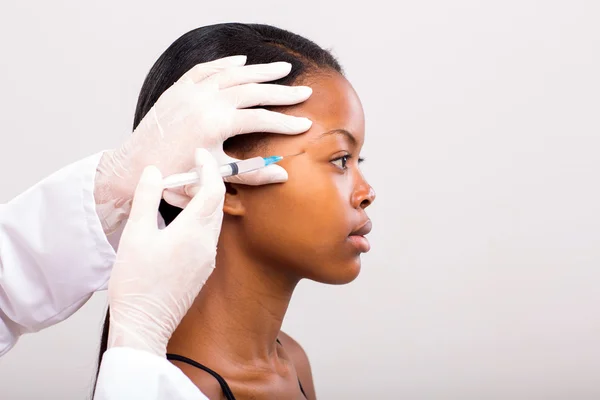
(299, 383)
(302, 389)
(224, 386)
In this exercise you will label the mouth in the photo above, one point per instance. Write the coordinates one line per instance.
(363, 230)
(358, 239)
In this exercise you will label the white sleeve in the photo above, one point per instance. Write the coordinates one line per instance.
(131, 374)
(53, 252)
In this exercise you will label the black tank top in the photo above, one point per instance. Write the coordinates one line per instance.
(224, 386)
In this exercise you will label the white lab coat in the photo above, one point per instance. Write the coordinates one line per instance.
(53, 257)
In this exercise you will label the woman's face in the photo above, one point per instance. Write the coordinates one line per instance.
(312, 225)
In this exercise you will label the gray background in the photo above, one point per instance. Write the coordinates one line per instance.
(482, 144)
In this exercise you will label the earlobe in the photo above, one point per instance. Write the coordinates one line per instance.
(233, 201)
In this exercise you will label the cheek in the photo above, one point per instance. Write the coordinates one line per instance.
(311, 210)
(303, 225)
(317, 200)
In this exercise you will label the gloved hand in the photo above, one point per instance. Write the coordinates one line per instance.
(201, 110)
(158, 273)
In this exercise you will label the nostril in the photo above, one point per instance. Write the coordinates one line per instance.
(368, 199)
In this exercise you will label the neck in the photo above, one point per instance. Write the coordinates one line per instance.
(239, 312)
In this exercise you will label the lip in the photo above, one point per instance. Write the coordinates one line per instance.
(358, 239)
(363, 230)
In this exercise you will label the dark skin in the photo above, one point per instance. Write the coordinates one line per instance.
(272, 237)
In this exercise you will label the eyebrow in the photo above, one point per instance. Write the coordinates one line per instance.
(343, 132)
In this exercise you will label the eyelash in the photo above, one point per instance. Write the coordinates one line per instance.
(344, 160)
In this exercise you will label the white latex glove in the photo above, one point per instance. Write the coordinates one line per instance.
(158, 273)
(204, 108)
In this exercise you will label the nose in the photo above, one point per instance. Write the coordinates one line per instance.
(363, 196)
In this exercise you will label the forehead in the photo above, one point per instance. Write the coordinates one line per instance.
(333, 105)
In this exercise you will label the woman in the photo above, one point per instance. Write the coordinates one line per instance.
(229, 343)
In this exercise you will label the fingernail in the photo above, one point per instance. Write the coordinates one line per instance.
(239, 59)
(304, 123)
(284, 65)
(304, 90)
(280, 175)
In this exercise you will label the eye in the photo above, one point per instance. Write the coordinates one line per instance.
(341, 162)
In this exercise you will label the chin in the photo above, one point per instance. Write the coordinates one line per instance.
(338, 273)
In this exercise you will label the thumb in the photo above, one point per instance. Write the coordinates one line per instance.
(264, 176)
(147, 198)
(210, 193)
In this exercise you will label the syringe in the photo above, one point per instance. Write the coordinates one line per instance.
(234, 168)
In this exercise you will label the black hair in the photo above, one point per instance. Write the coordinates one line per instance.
(260, 43)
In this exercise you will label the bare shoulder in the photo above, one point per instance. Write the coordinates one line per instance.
(207, 384)
(301, 363)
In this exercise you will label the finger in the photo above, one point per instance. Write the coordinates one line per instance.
(181, 195)
(255, 94)
(192, 189)
(209, 199)
(147, 198)
(261, 120)
(264, 176)
(176, 198)
(204, 70)
(249, 74)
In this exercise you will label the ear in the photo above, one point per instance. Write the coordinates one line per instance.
(233, 204)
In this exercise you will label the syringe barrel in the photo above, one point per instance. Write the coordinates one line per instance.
(242, 166)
